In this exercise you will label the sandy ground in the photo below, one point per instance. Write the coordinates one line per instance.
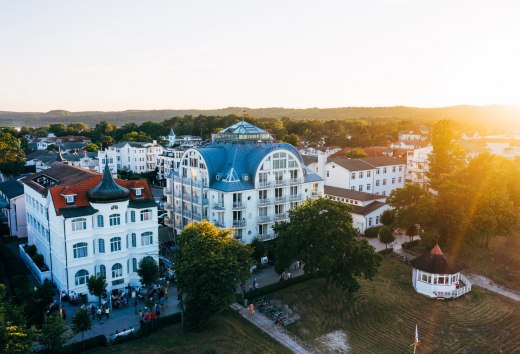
(333, 342)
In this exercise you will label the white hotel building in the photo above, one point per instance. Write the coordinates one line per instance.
(132, 156)
(244, 180)
(85, 223)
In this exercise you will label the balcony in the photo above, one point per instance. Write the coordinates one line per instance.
(315, 195)
(265, 201)
(197, 217)
(218, 223)
(264, 184)
(296, 180)
(168, 206)
(265, 219)
(295, 197)
(265, 236)
(279, 200)
(238, 206)
(190, 182)
(166, 190)
(239, 223)
(219, 206)
(280, 182)
(280, 216)
(177, 194)
(186, 214)
(205, 201)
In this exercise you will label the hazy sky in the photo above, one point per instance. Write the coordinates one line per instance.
(115, 55)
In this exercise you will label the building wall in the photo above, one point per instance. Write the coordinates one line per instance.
(418, 166)
(430, 289)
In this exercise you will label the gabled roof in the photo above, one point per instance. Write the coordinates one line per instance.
(307, 159)
(435, 262)
(11, 189)
(367, 209)
(351, 194)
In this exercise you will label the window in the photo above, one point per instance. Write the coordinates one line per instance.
(134, 240)
(146, 238)
(353, 175)
(115, 244)
(360, 188)
(81, 277)
(377, 220)
(102, 271)
(328, 174)
(134, 265)
(69, 199)
(393, 168)
(369, 173)
(353, 188)
(79, 224)
(360, 174)
(400, 168)
(146, 215)
(115, 219)
(377, 183)
(117, 270)
(369, 221)
(400, 179)
(132, 216)
(393, 180)
(101, 245)
(80, 250)
(384, 182)
(100, 221)
(377, 171)
(368, 187)
(384, 169)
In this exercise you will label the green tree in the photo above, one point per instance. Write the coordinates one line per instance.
(137, 136)
(258, 249)
(81, 322)
(447, 155)
(54, 334)
(58, 129)
(291, 139)
(97, 285)
(387, 217)
(386, 235)
(77, 128)
(92, 147)
(412, 205)
(320, 233)
(356, 153)
(209, 264)
(148, 271)
(12, 157)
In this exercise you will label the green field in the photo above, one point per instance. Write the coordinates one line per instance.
(381, 317)
(226, 333)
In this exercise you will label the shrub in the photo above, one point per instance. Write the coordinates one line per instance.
(30, 250)
(38, 260)
(410, 245)
(372, 232)
(87, 344)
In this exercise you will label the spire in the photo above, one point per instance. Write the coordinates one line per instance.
(107, 190)
(436, 250)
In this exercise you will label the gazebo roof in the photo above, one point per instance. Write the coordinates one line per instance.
(435, 262)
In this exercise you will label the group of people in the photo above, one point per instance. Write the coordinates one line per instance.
(100, 312)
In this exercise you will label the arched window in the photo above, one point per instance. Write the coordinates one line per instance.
(134, 265)
(81, 277)
(117, 270)
(102, 271)
(115, 244)
(146, 238)
(115, 219)
(101, 246)
(100, 221)
(132, 216)
(79, 224)
(134, 240)
(80, 250)
(146, 215)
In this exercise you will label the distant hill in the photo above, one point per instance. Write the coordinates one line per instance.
(503, 116)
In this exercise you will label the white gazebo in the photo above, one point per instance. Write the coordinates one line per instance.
(435, 275)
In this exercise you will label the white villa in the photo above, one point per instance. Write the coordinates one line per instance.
(85, 223)
(418, 166)
(132, 156)
(435, 275)
(244, 180)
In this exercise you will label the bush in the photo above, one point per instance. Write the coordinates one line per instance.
(372, 232)
(387, 251)
(87, 344)
(410, 245)
(38, 260)
(147, 328)
(30, 250)
(271, 288)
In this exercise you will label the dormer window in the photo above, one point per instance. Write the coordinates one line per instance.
(138, 192)
(69, 198)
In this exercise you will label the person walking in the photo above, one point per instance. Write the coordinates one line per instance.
(135, 306)
(251, 309)
(93, 311)
(107, 312)
(100, 315)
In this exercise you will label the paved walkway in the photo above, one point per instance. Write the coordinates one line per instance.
(268, 327)
(490, 285)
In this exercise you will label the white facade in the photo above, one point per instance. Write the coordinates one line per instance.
(132, 156)
(418, 166)
(103, 238)
(168, 162)
(377, 175)
(14, 213)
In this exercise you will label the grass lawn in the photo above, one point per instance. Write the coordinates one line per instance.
(227, 333)
(381, 317)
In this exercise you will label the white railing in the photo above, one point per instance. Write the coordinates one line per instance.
(239, 223)
(280, 199)
(265, 218)
(264, 201)
(263, 184)
(280, 216)
(219, 206)
(266, 236)
(238, 205)
(296, 180)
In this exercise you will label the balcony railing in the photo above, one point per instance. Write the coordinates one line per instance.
(197, 217)
(281, 199)
(314, 195)
(178, 210)
(280, 182)
(168, 206)
(296, 180)
(265, 236)
(205, 201)
(218, 206)
(264, 219)
(265, 201)
(238, 205)
(218, 223)
(264, 184)
(166, 190)
(280, 216)
(190, 182)
(186, 214)
(295, 197)
(239, 223)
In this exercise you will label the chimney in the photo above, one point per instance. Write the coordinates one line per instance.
(154, 142)
(322, 165)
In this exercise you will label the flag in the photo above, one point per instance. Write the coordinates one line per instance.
(416, 343)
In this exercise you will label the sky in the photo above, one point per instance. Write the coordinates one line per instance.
(116, 55)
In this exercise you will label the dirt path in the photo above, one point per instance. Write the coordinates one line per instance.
(490, 285)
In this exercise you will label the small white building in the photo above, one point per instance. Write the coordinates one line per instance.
(183, 141)
(435, 275)
(168, 162)
(137, 157)
(12, 204)
(85, 223)
(378, 175)
(366, 207)
(418, 166)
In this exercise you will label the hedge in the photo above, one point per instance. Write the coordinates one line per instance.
(147, 328)
(87, 344)
(372, 232)
(271, 288)
(410, 244)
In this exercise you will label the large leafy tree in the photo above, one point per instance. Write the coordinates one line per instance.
(81, 322)
(320, 233)
(148, 271)
(209, 264)
(11, 155)
(137, 136)
(96, 286)
(54, 334)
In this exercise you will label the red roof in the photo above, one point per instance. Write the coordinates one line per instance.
(81, 188)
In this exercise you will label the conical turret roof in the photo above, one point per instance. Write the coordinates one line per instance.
(107, 190)
(435, 262)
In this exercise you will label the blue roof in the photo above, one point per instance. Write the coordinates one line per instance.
(232, 165)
